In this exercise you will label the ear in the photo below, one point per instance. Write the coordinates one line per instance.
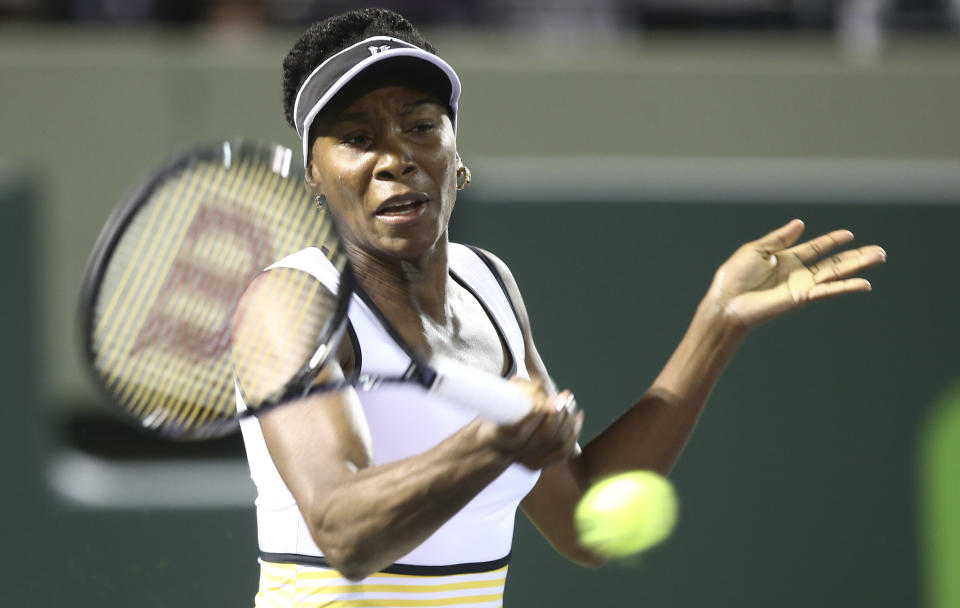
(312, 177)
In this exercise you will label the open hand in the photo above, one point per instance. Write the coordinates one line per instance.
(770, 276)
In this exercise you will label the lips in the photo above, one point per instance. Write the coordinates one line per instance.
(403, 208)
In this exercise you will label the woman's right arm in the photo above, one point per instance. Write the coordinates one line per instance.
(365, 516)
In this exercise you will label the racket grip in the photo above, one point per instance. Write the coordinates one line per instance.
(493, 398)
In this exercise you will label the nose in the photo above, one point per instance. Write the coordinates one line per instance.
(394, 160)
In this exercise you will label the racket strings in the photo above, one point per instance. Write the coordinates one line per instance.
(139, 288)
(258, 262)
(137, 338)
(186, 344)
(134, 266)
(289, 193)
(143, 367)
(261, 252)
(216, 254)
(279, 343)
(206, 232)
(166, 331)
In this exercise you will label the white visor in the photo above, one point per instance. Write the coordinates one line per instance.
(336, 71)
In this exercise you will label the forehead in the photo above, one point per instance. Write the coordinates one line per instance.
(358, 104)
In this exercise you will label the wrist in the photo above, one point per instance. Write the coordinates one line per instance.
(715, 316)
(484, 445)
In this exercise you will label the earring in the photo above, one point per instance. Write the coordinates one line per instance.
(463, 177)
(320, 201)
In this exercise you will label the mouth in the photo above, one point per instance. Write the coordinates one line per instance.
(403, 208)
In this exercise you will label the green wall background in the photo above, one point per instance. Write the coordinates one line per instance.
(798, 487)
(801, 486)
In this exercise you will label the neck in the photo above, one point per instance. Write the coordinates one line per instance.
(401, 288)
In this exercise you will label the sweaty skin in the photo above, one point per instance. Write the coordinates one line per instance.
(387, 167)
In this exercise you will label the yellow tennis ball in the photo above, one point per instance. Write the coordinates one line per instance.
(626, 513)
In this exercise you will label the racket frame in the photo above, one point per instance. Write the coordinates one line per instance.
(302, 383)
(224, 151)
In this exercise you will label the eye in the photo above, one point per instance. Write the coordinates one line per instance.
(423, 127)
(355, 140)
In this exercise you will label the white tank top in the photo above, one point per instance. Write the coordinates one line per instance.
(404, 421)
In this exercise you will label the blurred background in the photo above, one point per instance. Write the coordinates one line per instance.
(621, 149)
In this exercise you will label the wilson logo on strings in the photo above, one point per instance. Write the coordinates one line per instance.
(170, 326)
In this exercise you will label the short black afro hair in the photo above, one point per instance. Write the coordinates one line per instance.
(327, 37)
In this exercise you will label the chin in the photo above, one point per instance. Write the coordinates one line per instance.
(409, 249)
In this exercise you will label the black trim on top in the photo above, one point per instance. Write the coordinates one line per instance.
(512, 368)
(351, 288)
(357, 355)
(417, 364)
(493, 270)
(391, 331)
(408, 569)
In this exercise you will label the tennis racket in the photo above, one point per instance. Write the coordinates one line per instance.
(159, 302)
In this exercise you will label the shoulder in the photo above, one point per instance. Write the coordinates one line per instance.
(535, 366)
(313, 261)
(496, 264)
(266, 337)
(282, 311)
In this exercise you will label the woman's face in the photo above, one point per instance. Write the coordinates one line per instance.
(387, 166)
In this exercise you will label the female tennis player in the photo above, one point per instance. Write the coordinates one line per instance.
(393, 497)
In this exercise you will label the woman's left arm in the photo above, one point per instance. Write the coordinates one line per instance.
(763, 279)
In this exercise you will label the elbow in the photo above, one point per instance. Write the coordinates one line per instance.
(578, 554)
(344, 554)
(347, 561)
(343, 548)
(584, 558)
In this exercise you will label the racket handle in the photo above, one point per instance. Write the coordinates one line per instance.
(493, 398)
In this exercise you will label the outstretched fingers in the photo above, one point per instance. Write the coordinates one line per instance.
(820, 246)
(848, 263)
(836, 288)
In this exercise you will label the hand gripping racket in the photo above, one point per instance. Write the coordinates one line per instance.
(161, 289)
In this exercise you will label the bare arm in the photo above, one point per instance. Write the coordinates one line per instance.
(652, 433)
(762, 280)
(363, 516)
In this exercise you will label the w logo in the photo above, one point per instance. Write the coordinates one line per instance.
(378, 49)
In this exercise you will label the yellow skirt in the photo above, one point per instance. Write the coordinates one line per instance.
(295, 585)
